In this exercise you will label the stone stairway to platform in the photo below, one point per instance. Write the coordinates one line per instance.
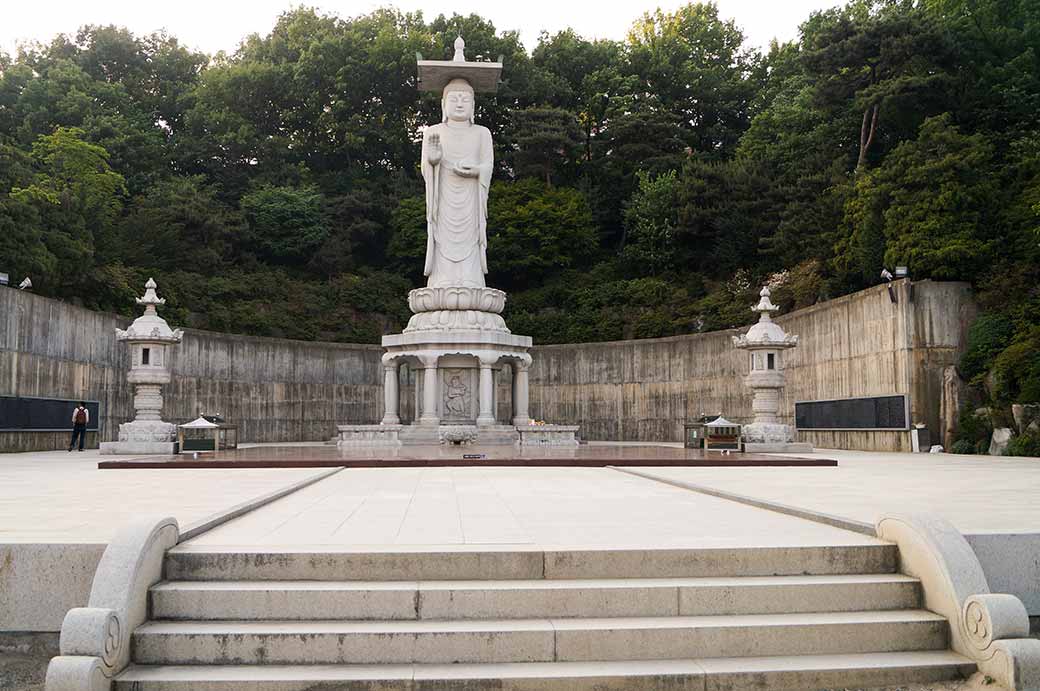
(715, 618)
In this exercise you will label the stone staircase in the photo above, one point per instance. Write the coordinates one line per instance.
(750, 618)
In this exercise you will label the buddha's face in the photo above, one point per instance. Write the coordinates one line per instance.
(458, 106)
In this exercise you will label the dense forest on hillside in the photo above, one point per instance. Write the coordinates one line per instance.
(644, 188)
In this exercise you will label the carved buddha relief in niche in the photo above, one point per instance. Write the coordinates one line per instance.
(457, 395)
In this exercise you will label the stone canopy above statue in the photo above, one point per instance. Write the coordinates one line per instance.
(434, 75)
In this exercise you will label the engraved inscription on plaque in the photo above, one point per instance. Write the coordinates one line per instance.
(29, 414)
(873, 412)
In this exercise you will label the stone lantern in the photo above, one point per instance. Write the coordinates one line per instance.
(766, 343)
(150, 339)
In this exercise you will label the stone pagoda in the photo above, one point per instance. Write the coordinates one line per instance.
(149, 338)
(456, 336)
(766, 343)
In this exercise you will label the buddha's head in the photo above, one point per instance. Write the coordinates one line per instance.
(457, 101)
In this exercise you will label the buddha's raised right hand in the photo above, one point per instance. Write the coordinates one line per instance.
(435, 152)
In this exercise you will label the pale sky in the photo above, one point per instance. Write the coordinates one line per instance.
(212, 25)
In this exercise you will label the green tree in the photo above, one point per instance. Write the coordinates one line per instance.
(990, 334)
(635, 136)
(581, 77)
(547, 140)
(933, 202)
(286, 223)
(726, 211)
(58, 91)
(804, 150)
(22, 245)
(885, 60)
(999, 44)
(860, 246)
(359, 229)
(157, 72)
(1017, 369)
(77, 198)
(695, 64)
(535, 231)
(178, 224)
(651, 219)
(407, 247)
(76, 175)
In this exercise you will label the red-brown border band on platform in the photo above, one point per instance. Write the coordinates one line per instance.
(491, 462)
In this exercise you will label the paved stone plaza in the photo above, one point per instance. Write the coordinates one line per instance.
(62, 507)
(62, 497)
(977, 494)
(56, 496)
(537, 507)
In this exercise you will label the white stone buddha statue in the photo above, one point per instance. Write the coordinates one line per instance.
(457, 159)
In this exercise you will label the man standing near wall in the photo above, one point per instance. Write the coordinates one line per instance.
(80, 418)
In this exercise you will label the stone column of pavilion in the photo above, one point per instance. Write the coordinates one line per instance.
(521, 393)
(766, 342)
(391, 393)
(429, 413)
(486, 395)
(149, 338)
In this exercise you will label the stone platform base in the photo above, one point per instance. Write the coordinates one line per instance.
(425, 435)
(447, 455)
(778, 447)
(498, 435)
(369, 435)
(432, 435)
(548, 435)
(420, 435)
(123, 448)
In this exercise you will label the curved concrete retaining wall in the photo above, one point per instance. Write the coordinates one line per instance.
(280, 390)
(273, 389)
(863, 344)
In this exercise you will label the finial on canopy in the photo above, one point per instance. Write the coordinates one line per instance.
(460, 48)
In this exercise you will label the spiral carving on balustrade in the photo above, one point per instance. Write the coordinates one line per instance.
(990, 617)
(113, 639)
(977, 624)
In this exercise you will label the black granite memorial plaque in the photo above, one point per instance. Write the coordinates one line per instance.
(873, 412)
(30, 414)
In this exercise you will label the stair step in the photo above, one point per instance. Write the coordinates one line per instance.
(190, 562)
(521, 599)
(535, 640)
(714, 674)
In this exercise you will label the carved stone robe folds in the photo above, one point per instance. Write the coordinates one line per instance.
(456, 206)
